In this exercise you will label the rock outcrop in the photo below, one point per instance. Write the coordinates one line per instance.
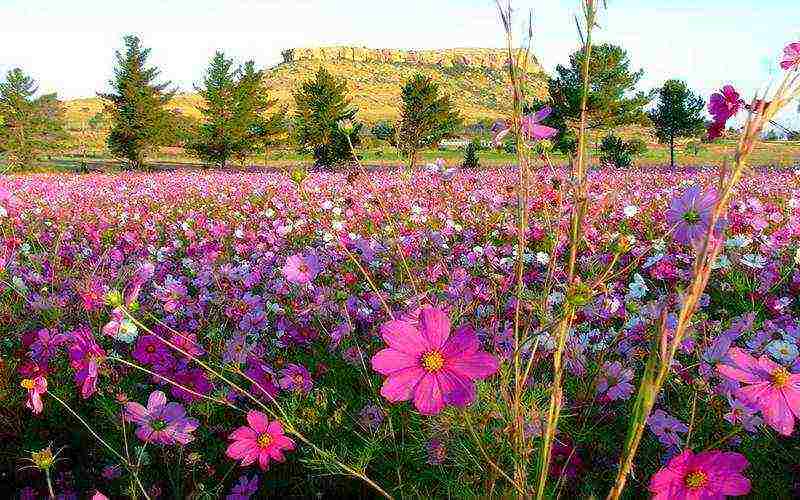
(447, 58)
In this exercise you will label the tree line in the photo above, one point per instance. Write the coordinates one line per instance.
(238, 117)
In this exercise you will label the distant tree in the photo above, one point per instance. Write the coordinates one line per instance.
(321, 104)
(471, 159)
(234, 115)
(426, 116)
(612, 97)
(30, 126)
(679, 113)
(385, 131)
(140, 122)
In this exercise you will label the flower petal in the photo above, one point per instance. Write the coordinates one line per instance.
(474, 366)
(462, 342)
(435, 326)
(389, 360)
(257, 421)
(400, 385)
(428, 397)
(404, 337)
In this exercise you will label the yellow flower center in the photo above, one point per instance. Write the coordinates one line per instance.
(780, 378)
(43, 459)
(696, 479)
(264, 440)
(28, 383)
(432, 361)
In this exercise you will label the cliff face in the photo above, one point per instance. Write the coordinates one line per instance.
(473, 58)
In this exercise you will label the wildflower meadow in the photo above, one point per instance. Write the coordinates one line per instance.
(535, 329)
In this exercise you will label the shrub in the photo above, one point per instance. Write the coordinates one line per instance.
(620, 153)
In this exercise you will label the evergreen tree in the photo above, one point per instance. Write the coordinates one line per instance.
(679, 113)
(426, 117)
(612, 98)
(30, 126)
(140, 122)
(234, 121)
(322, 104)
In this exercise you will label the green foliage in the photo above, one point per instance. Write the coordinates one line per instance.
(234, 122)
(29, 126)
(385, 131)
(136, 106)
(620, 153)
(679, 113)
(321, 104)
(471, 155)
(612, 98)
(694, 148)
(426, 116)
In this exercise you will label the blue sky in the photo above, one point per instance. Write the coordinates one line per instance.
(68, 45)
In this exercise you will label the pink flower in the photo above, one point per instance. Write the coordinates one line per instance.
(768, 386)
(709, 475)
(530, 126)
(301, 269)
(429, 365)
(85, 356)
(791, 57)
(161, 422)
(260, 440)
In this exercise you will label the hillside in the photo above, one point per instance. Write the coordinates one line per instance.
(474, 78)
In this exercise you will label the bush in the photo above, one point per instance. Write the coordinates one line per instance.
(384, 131)
(471, 159)
(620, 153)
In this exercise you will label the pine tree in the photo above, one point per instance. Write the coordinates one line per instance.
(322, 104)
(679, 113)
(612, 99)
(29, 126)
(234, 116)
(426, 117)
(140, 122)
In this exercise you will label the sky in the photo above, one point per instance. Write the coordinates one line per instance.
(68, 45)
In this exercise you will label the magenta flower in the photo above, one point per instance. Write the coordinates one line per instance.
(150, 350)
(260, 440)
(33, 381)
(193, 379)
(711, 475)
(768, 386)
(85, 356)
(429, 365)
(161, 422)
(529, 125)
(724, 104)
(691, 213)
(791, 57)
(301, 269)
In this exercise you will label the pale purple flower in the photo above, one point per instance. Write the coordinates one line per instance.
(667, 428)
(244, 488)
(530, 127)
(614, 382)
(301, 269)
(295, 378)
(161, 422)
(690, 214)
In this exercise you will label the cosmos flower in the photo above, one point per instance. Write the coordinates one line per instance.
(614, 382)
(301, 269)
(85, 356)
(667, 428)
(767, 385)
(260, 440)
(35, 383)
(691, 213)
(429, 365)
(723, 105)
(529, 125)
(161, 422)
(791, 57)
(150, 350)
(295, 378)
(193, 379)
(244, 488)
(711, 475)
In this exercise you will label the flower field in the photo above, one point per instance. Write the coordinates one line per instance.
(202, 335)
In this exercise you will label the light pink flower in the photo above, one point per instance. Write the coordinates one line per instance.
(35, 386)
(768, 386)
(260, 440)
(301, 269)
(429, 365)
(709, 475)
(161, 422)
(791, 57)
(530, 126)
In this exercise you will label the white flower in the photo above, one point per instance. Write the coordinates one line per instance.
(239, 233)
(722, 262)
(754, 261)
(327, 205)
(477, 250)
(738, 241)
(337, 225)
(797, 256)
(637, 288)
(783, 350)
(542, 258)
(630, 211)
(3, 211)
(555, 298)
(269, 213)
